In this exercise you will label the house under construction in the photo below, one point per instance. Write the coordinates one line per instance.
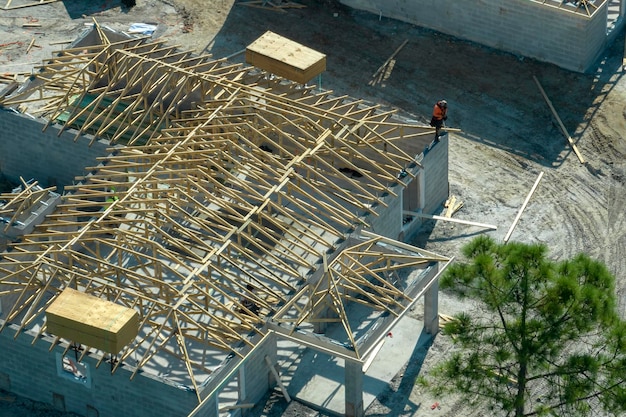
(177, 216)
(572, 34)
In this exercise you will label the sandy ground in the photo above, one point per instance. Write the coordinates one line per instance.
(508, 133)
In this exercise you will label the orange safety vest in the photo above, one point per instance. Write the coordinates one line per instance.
(439, 112)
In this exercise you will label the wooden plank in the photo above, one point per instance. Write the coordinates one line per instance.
(558, 119)
(30, 45)
(372, 355)
(449, 205)
(378, 75)
(430, 216)
(277, 377)
(446, 317)
(261, 5)
(61, 42)
(236, 407)
(286, 58)
(519, 214)
(21, 6)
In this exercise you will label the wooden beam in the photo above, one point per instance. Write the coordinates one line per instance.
(61, 42)
(373, 355)
(380, 72)
(277, 377)
(519, 214)
(558, 119)
(236, 407)
(21, 6)
(30, 45)
(449, 219)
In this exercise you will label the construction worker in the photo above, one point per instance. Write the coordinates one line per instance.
(111, 198)
(248, 303)
(440, 113)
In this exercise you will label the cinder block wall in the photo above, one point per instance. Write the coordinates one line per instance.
(257, 378)
(436, 182)
(436, 188)
(389, 220)
(31, 371)
(524, 27)
(28, 152)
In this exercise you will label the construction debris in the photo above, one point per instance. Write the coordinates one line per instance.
(445, 319)
(8, 6)
(452, 206)
(30, 45)
(384, 71)
(277, 5)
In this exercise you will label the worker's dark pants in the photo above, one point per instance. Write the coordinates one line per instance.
(437, 124)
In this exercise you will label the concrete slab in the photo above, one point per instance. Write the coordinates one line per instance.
(318, 379)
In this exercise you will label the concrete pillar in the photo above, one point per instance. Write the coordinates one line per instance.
(431, 309)
(354, 389)
(241, 384)
(421, 189)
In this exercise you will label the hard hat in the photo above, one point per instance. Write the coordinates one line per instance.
(443, 103)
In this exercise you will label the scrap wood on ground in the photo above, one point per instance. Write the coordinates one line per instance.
(277, 5)
(452, 206)
(384, 71)
(22, 4)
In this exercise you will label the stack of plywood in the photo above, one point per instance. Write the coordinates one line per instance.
(92, 321)
(285, 58)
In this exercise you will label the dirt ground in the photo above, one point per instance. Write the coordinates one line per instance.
(508, 134)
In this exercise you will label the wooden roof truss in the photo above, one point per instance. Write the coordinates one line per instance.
(229, 178)
(587, 7)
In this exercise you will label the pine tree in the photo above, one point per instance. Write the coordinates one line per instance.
(547, 339)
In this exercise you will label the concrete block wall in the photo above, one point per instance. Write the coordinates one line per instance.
(434, 173)
(389, 220)
(436, 182)
(50, 159)
(525, 27)
(31, 371)
(257, 377)
(253, 373)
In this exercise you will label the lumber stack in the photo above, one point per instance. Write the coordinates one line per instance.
(445, 319)
(92, 321)
(285, 58)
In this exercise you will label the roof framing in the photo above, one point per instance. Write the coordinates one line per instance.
(222, 176)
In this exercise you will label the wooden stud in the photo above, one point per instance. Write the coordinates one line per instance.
(380, 72)
(558, 119)
(277, 378)
(519, 213)
(447, 219)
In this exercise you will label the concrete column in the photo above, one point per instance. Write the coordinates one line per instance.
(354, 389)
(431, 309)
(241, 384)
(421, 189)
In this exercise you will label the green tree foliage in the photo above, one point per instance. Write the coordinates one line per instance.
(546, 338)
